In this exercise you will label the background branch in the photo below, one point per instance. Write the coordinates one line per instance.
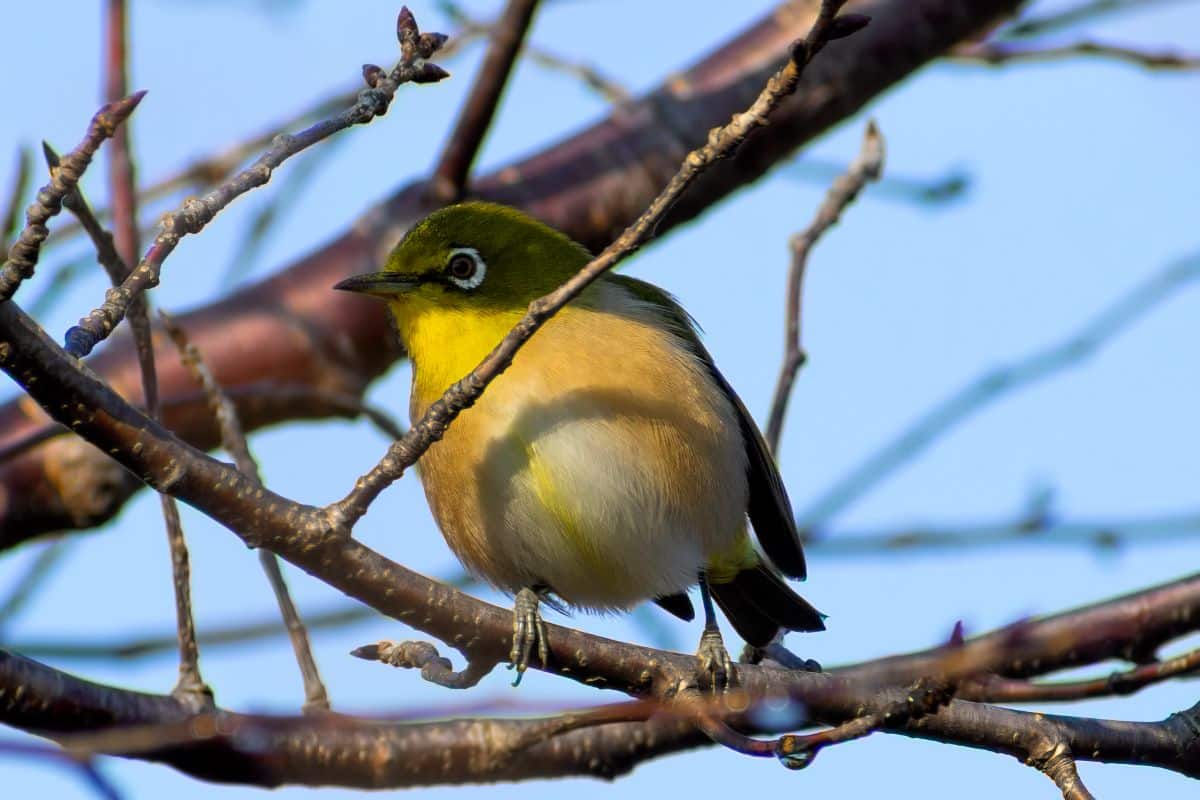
(449, 182)
(338, 346)
(866, 167)
(997, 383)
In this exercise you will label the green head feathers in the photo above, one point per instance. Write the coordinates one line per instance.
(475, 254)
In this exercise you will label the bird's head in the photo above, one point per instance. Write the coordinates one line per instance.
(472, 257)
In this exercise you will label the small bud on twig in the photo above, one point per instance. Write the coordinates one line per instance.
(845, 25)
(371, 74)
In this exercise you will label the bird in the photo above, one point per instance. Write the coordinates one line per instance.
(611, 463)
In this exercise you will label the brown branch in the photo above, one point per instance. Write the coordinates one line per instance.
(291, 329)
(206, 172)
(722, 143)
(122, 174)
(233, 439)
(995, 53)
(196, 213)
(1133, 627)
(23, 254)
(256, 399)
(488, 750)
(449, 181)
(1005, 690)
(865, 168)
(423, 656)
(190, 683)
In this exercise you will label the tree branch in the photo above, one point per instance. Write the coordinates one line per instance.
(23, 254)
(198, 212)
(998, 53)
(234, 442)
(449, 181)
(865, 168)
(291, 329)
(996, 383)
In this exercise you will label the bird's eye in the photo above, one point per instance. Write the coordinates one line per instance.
(466, 268)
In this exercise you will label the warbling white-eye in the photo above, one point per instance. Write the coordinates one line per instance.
(611, 463)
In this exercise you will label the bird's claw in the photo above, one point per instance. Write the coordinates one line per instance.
(528, 629)
(713, 661)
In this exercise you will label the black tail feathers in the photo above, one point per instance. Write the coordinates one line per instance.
(758, 603)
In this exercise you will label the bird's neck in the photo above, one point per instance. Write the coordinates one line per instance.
(446, 343)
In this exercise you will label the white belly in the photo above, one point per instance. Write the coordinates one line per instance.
(596, 516)
(605, 464)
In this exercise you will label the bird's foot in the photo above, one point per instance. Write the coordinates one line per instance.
(528, 630)
(714, 666)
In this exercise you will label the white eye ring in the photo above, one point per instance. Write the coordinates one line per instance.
(467, 278)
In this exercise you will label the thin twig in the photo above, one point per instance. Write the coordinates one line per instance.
(995, 689)
(131, 647)
(951, 186)
(722, 142)
(196, 213)
(449, 180)
(33, 579)
(190, 684)
(1102, 534)
(289, 192)
(143, 646)
(84, 765)
(996, 383)
(20, 185)
(865, 168)
(311, 399)
(423, 656)
(591, 77)
(995, 53)
(1075, 15)
(23, 254)
(208, 171)
(233, 439)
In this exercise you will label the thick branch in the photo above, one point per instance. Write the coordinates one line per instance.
(291, 329)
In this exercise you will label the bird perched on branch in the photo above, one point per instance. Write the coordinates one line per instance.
(611, 463)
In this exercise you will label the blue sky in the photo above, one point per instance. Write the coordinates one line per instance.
(1085, 180)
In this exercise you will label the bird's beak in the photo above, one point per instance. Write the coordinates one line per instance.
(381, 284)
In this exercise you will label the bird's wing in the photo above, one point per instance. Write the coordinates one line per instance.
(769, 509)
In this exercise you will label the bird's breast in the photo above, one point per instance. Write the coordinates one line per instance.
(605, 463)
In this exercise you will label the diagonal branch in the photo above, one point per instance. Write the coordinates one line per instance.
(449, 181)
(291, 329)
(1081, 12)
(196, 213)
(23, 254)
(722, 143)
(234, 441)
(997, 53)
(996, 383)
